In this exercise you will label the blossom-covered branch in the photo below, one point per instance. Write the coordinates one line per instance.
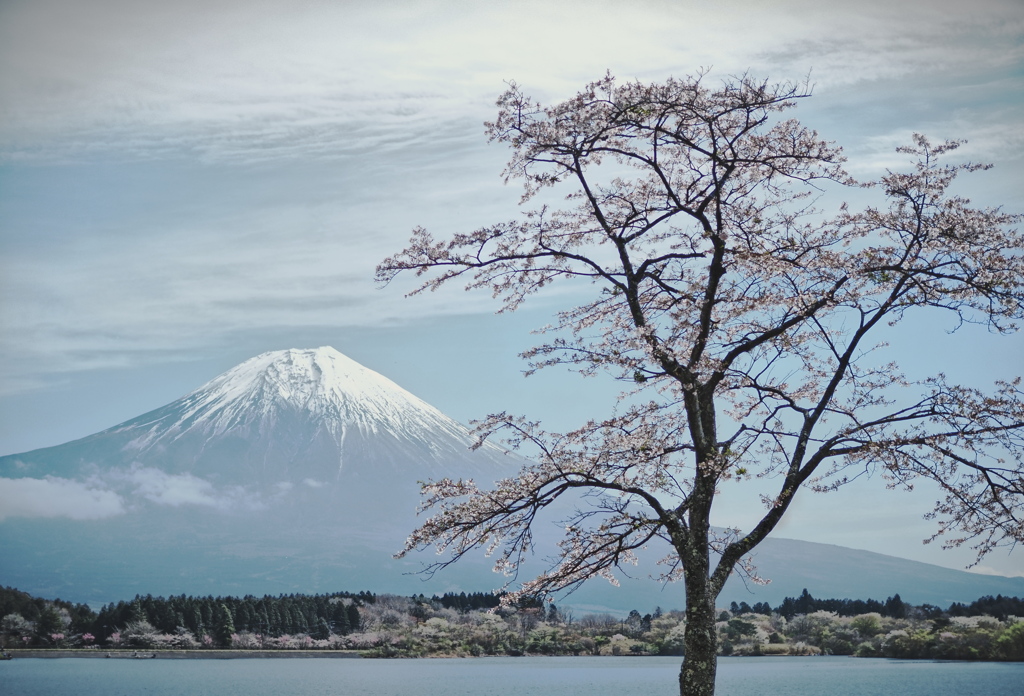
(748, 325)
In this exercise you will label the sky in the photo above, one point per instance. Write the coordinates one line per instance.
(186, 185)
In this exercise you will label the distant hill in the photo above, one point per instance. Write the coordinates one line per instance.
(825, 570)
(836, 571)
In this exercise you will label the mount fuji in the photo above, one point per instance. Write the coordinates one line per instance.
(298, 471)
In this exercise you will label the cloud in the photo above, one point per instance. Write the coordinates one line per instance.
(174, 489)
(175, 173)
(221, 82)
(988, 570)
(56, 497)
(286, 258)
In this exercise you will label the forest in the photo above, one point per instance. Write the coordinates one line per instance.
(477, 624)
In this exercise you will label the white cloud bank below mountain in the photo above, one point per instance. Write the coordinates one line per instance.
(57, 497)
(53, 497)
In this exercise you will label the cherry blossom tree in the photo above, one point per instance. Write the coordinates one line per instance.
(745, 323)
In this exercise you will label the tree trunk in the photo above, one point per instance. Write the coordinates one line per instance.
(700, 642)
(700, 660)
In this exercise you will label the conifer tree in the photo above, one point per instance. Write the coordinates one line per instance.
(224, 626)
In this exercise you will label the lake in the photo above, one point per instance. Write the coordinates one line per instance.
(504, 676)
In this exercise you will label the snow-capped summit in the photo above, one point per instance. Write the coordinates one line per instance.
(281, 417)
(307, 407)
(320, 381)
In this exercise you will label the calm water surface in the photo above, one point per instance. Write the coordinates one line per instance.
(500, 676)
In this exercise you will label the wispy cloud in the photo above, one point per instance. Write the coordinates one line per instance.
(117, 491)
(988, 570)
(220, 81)
(57, 497)
(204, 168)
(174, 490)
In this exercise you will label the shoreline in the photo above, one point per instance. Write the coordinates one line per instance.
(182, 654)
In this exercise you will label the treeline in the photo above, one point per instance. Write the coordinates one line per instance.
(477, 624)
(186, 622)
(220, 617)
(179, 621)
(893, 607)
(31, 608)
(990, 628)
(416, 627)
(474, 601)
(25, 616)
(999, 606)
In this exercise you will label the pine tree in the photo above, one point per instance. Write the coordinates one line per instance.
(225, 626)
(354, 622)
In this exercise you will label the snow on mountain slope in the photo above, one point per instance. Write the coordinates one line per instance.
(333, 391)
(281, 417)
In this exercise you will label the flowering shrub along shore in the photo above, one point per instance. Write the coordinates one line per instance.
(473, 625)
